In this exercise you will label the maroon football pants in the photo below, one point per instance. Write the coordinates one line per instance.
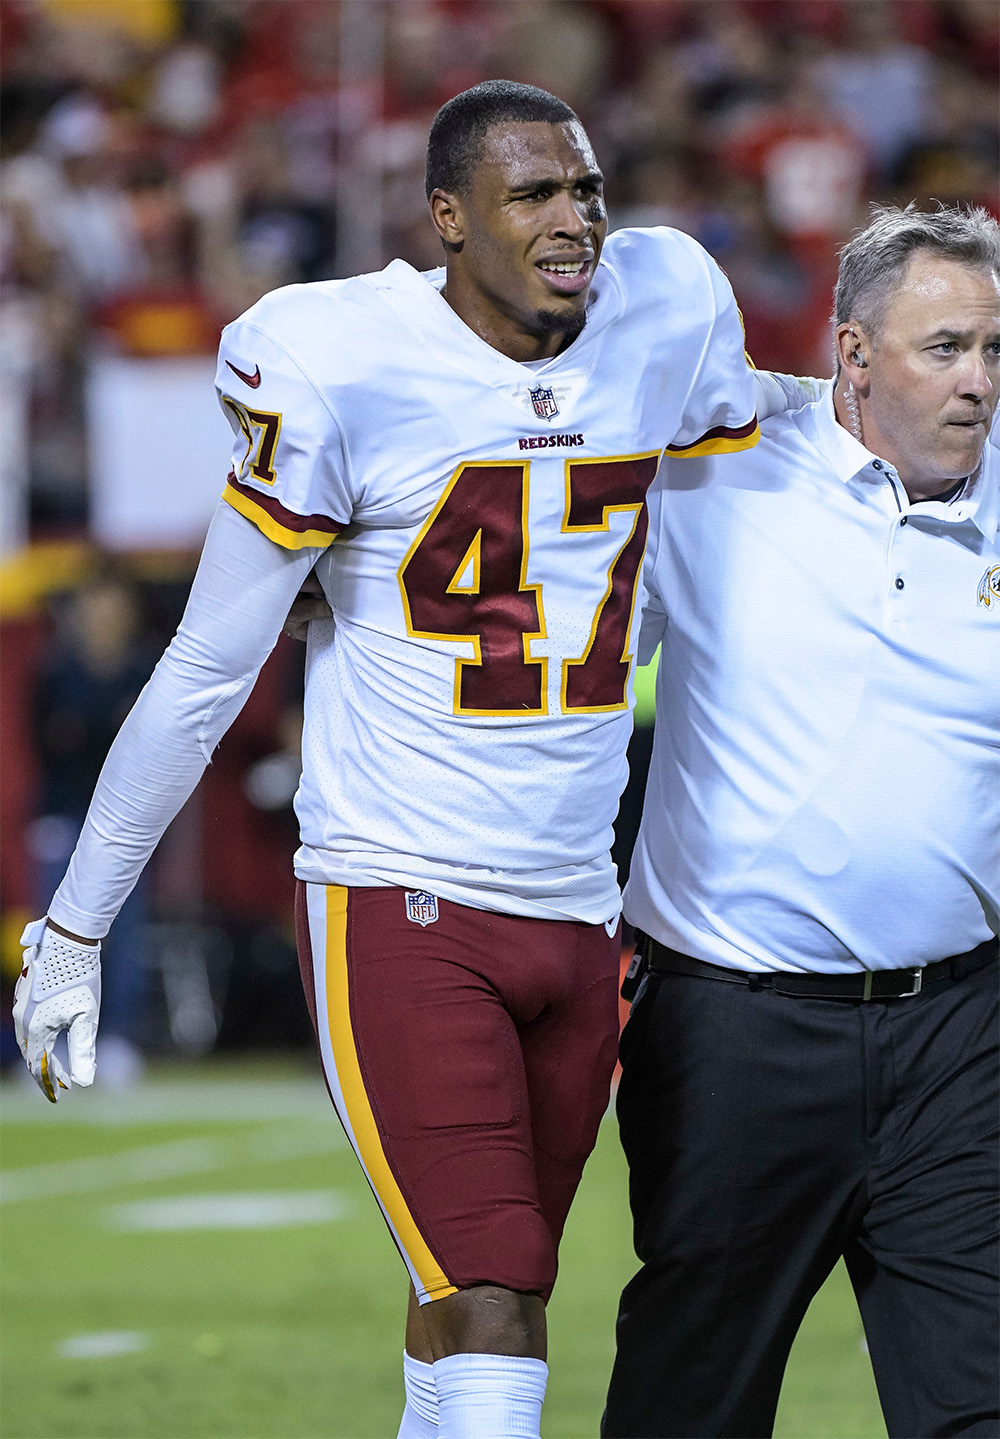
(469, 1055)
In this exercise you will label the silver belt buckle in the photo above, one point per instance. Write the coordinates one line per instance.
(918, 981)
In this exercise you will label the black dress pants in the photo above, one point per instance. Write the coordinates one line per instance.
(769, 1135)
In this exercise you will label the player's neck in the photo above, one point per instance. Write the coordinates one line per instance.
(501, 331)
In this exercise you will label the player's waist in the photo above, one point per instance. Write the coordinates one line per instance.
(586, 890)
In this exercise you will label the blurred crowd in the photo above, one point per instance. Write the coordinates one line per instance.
(166, 162)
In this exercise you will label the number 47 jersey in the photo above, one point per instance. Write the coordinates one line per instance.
(480, 526)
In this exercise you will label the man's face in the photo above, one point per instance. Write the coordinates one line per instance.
(525, 240)
(934, 372)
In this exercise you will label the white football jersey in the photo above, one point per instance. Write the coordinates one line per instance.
(467, 710)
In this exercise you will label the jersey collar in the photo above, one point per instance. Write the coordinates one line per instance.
(416, 297)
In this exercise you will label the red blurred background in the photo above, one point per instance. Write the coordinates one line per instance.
(166, 162)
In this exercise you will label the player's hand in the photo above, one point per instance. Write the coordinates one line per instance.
(58, 992)
(309, 604)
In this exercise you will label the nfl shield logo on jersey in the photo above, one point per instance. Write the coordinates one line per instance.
(544, 402)
(421, 907)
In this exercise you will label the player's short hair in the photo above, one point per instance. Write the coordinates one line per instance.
(462, 123)
(874, 261)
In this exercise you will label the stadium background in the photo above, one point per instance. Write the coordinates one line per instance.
(164, 163)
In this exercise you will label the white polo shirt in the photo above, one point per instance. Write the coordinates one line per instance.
(824, 793)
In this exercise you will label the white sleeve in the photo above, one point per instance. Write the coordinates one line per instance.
(654, 627)
(653, 621)
(238, 603)
(776, 393)
(289, 468)
(719, 416)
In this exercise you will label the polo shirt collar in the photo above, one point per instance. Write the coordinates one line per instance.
(846, 456)
(979, 501)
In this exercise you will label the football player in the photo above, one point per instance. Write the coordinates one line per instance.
(463, 457)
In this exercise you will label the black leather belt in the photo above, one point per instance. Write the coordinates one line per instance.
(870, 984)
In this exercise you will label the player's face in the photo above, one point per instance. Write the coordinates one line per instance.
(525, 241)
(934, 373)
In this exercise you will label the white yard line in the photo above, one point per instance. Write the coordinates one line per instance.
(151, 1163)
(226, 1099)
(131, 1166)
(102, 1346)
(272, 1209)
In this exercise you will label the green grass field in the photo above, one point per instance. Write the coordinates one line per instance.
(129, 1313)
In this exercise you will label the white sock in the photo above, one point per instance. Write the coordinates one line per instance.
(420, 1417)
(489, 1396)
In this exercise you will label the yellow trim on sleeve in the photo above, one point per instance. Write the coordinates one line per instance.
(359, 1111)
(272, 528)
(720, 446)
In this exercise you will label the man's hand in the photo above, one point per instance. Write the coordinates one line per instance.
(309, 604)
(59, 989)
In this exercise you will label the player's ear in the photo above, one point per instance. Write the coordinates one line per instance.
(448, 219)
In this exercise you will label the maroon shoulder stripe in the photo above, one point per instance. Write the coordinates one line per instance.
(719, 432)
(286, 518)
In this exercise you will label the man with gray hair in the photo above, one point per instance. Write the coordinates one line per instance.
(810, 1066)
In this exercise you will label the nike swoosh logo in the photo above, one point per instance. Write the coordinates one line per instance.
(252, 380)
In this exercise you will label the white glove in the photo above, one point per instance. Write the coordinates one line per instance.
(59, 990)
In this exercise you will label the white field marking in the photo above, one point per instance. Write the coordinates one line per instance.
(275, 1209)
(131, 1166)
(102, 1346)
(226, 1099)
(275, 1144)
(279, 1142)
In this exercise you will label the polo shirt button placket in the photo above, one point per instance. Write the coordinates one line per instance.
(898, 584)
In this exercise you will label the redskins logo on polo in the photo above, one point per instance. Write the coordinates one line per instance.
(989, 587)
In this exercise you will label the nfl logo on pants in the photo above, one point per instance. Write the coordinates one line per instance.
(421, 907)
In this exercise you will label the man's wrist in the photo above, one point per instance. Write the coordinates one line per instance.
(68, 933)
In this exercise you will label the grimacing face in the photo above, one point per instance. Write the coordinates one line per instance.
(933, 374)
(525, 240)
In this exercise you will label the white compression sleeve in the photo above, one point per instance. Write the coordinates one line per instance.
(489, 1396)
(420, 1416)
(775, 393)
(238, 603)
